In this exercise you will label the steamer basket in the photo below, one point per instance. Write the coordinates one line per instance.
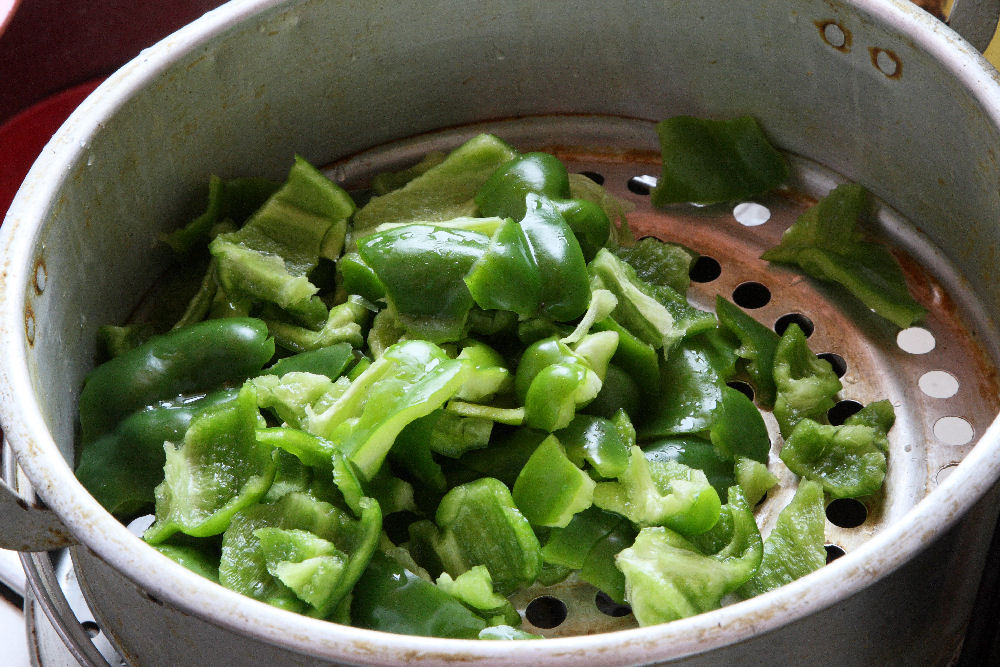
(873, 91)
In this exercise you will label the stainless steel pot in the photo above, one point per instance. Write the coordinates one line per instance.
(875, 90)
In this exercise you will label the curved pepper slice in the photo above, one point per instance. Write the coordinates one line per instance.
(219, 469)
(423, 269)
(710, 161)
(442, 192)
(534, 266)
(550, 489)
(268, 259)
(806, 385)
(197, 358)
(121, 469)
(661, 493)
(503, 194)
(757, 348)
(391, 598)
(848, 460)
(824, 243)
(668, 577)
(410, 380)
(795, 546)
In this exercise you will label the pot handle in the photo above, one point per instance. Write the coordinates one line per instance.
(24, 524)
(975, 20)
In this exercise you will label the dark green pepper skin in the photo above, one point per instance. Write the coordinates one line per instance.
(390, 598)
(122, 468)
(504, 192)
(196, 358)
(694, 453)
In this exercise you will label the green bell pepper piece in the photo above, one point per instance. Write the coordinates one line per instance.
(295, 396)
(568, 546)
(503, 459)
(550, 488)
(848, 460)
(711, 161)
(655, 493)
(268, 259)
(638, 359)
(356, 277)
(757, 347)
(660, 263)
(244, 563)
(824, 243)
(600, 567)
(879, 415)
(390, 598)
(388, 181)
(122, 468)
(754, 478)
(488, 376)
(739, 428)
(556, 392)
(235, 199)
(696, 453)
(198, 560)
(693, 379)
(410, 380)
(198, 358)
(597, 442)
(795, 546)
(656, 314)
(533, 266)
(474, 589)
(331, 361)
(503, 194)
(423, 269)
(806, 385)
(443, 192)
(219, 469)
(668, 577)
(480, 524)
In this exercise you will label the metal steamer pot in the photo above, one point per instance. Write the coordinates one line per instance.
(874, 91)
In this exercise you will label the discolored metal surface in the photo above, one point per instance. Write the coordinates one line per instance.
(944, 397)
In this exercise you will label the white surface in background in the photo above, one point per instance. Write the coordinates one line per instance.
(12, 638)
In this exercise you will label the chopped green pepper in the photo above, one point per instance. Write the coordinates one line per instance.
(219, 469)
(824, 243)
(795, 546)
(550, 488)
(848, 460)
(198, 358)
(806, 385)
(710, 161)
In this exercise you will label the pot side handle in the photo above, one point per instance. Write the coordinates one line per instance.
(975, 20)
(26, 525)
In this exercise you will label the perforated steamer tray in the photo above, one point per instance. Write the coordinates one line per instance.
(938, 375)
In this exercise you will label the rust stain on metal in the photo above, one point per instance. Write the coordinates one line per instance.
(41, 275)
(841, 31)
(886, 61)
(29, 324)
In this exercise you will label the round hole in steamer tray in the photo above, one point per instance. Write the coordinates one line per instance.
(836, 362)
(916, 340)
(938, 384)
(846, 512)
(803, 322)
(546, 611)
(833, 552)
(751, 295)
(954, 431)
(751, 214)
(595, 176)
(609, 607)
(705, 269)
(842, 410)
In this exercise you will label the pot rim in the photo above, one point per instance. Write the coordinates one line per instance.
(53, 479)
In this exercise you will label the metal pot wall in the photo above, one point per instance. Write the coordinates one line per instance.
(873, 89)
